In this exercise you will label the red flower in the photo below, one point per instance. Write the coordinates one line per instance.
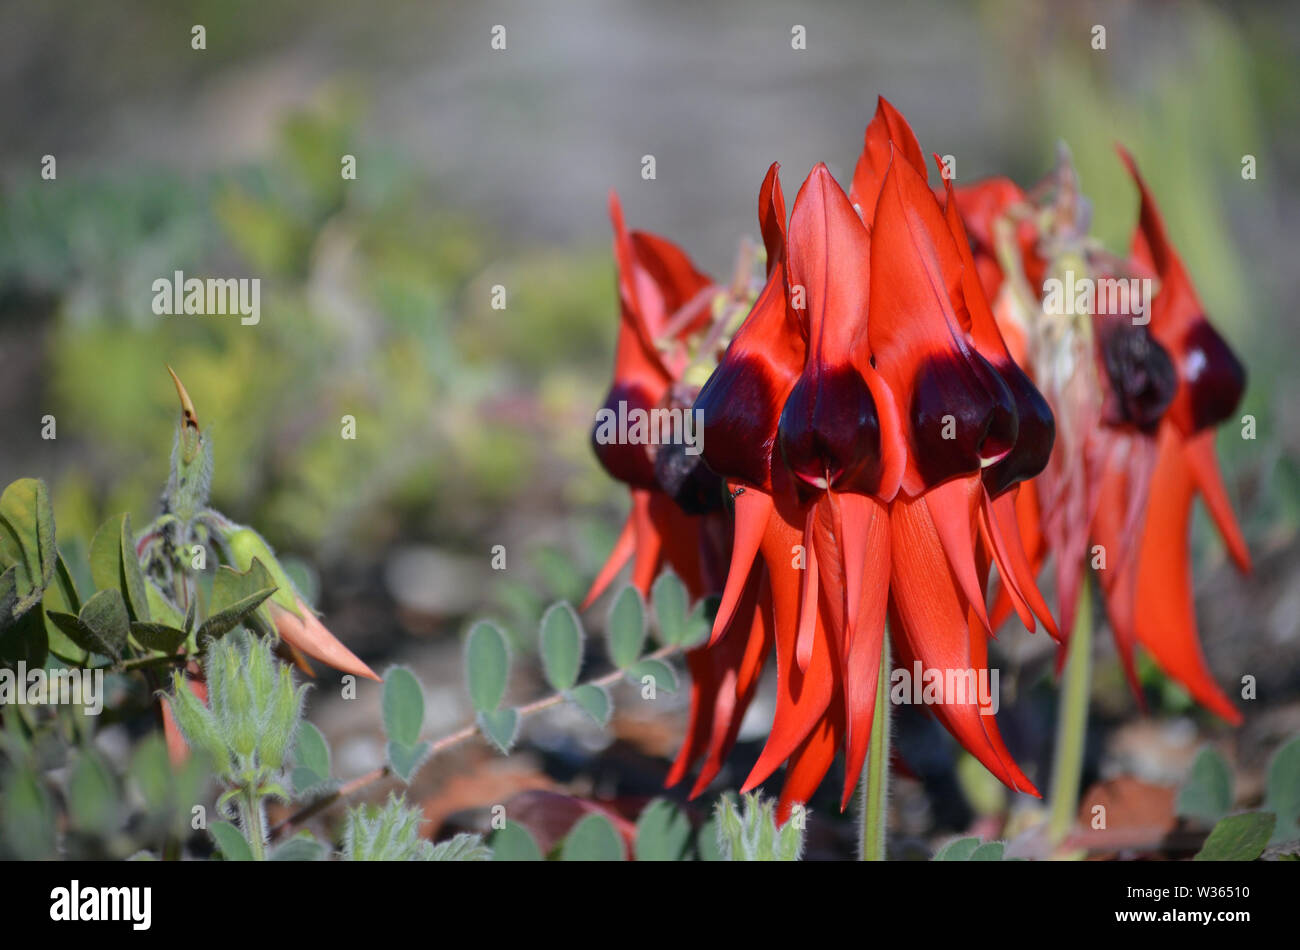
(676, 516)
(865, 417)
(1138, 402)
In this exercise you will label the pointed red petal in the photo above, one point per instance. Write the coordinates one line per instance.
(887, 127)
(618, 558)
(931, 625)
(753, 508)
(1166, 614)
(1198, 451)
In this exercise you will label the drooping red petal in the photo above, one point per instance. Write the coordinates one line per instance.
(739, 684)
(864, 526)
(1165, 616)
(1015, 566)
(930, 622)
(623, 550)
(752, 509)
(810, 762)
(803, 695)
(1198, 451)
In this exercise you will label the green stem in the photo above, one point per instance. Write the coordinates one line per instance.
(250, 812)
(875, 780)
(1072, 721)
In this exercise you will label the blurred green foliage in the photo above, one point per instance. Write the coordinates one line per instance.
(375, 304)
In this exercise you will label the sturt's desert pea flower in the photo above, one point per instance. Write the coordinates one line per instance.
(677, 519)
(866, 417)
(1138, 380)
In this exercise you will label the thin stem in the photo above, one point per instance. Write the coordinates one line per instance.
(250, 812)
(875, 781)
(450, 741)
(1072, 722)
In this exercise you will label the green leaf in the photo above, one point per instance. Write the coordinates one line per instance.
(593, 839)
(157, 636)
(700, 623)
(26, 545)
(101, 627)
(114, 566)
(403, 707)
(706, 841)
(1283, 798)
(660, 672)
(1238, 838)
(93, 795)
(1207, 793)
(8, 594)
(230, 842)
(406, 760)
(303, 847)
(669, 597)
(312, 752)
(234, 597)
(989, 851)
(663, 833)
(501, 726)
(61, 595)
(959, 850)
(625, 629)
(594, 701)
(561, 642)
(515, 843)
(26, 817)
(161, 609)
(25, 640)
(487, 664)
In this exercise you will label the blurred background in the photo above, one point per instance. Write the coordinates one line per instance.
(478, 167)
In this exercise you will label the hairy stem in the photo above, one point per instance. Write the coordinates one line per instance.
(250, 813)
(875, 780)
(1072, 722)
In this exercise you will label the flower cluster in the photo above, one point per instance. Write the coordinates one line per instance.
(1138, 379)
(880, 444)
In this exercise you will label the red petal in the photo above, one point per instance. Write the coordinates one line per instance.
(1198, 451)
(931, 625)
(887, 127)
(1166, 614)
(802, 696)
(618, 558)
